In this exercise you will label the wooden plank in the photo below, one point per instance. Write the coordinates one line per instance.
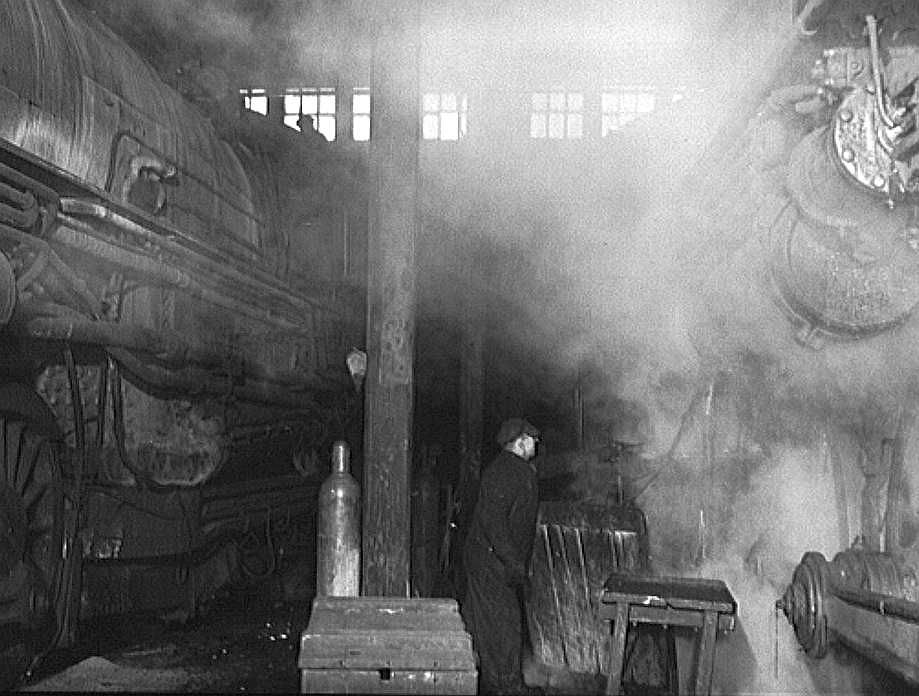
(617, 649)
(591, 516)
(665, 616)
(542, 604)
(680, 593)
(387, 649)
(581, 616)
(326, 681)
(379, 613)
(705, 655)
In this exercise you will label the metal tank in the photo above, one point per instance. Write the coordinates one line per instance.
(173, 333)
(338, 529)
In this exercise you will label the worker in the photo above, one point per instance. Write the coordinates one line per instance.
(497, 556)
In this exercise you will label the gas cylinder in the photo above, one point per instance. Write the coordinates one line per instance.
(338, 529)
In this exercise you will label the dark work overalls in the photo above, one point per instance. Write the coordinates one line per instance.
(496, 556)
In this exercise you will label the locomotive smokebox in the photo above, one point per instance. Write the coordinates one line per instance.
(338, 529)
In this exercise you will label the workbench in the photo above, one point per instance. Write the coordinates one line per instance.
(704, 605)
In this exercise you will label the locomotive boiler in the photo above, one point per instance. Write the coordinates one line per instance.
(174, 323)
(819, 200)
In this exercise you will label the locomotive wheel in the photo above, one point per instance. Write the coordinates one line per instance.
(803, 604)
(31, 544)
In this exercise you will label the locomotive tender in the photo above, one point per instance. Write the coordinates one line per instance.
(174, 323)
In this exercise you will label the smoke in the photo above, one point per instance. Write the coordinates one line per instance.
(785, 509)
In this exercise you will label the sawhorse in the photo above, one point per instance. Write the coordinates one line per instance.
(705, 605)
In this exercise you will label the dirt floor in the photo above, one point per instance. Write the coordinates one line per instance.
(245, 642)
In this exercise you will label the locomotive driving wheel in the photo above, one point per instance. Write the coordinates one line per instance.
(31, 544)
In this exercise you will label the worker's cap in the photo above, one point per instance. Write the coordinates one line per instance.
(513, 428)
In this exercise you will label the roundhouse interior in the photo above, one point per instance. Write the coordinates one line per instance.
(679, 236)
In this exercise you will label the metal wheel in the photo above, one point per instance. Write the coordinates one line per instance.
(31, 544)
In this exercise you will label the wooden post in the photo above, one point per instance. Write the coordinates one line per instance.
(471, 391)
(391, 300)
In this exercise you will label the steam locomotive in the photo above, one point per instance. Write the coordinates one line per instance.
(175, 314)
(820, 196)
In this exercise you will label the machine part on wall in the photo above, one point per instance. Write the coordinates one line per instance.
(844, 259)
(843, 262)
(865, 600)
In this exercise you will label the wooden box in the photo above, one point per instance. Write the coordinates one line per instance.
(386, 645)
(577, 547)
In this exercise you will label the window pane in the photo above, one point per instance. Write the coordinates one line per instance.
(557, 101)
(258, 104)
(645, 103)
(429, 127)
(310, 102)
(360, 104)
(448, 102)
(538, 126)
(449, 126)
(360, 128)
(607, 125)
(628, 101)
(291, 103)
(431, 101)
(575, 101)
(291, 120)
(556, 125)
(327, 127)
(608, 101)
(540, 101)
(326, 103)
(575, 126)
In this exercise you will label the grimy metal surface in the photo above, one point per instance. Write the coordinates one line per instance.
(391, 302)
(178, 317)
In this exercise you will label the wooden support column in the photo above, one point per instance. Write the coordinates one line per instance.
(386, 546)
(471, 391)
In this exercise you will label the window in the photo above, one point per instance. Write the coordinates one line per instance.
(360, 114)
(444, 116)
(557, 114)
(255, 100)
(316, 102)
(620, 105)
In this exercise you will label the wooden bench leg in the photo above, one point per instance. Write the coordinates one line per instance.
(705, 655)
(617, 649)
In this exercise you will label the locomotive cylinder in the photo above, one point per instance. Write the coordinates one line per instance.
(338, 542)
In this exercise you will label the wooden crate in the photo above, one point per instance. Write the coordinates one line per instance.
(577, 547)
(379, 645)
